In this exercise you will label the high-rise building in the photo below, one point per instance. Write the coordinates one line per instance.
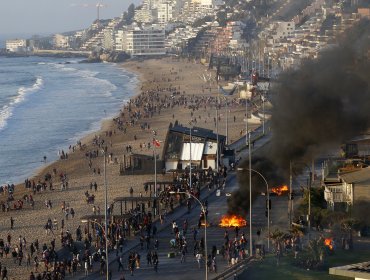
(144, 40)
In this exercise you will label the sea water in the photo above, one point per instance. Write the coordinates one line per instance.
(47, 104)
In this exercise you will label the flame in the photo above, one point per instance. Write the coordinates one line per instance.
(280, 190)
(328, 242)
(232, 221)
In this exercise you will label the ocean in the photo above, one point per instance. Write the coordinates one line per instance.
(47, 104)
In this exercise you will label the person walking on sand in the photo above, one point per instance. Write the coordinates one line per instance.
(4, 274)
(11, 223)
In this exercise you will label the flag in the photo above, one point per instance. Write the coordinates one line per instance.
(156, 142)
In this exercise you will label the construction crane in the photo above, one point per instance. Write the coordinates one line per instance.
(97, 5)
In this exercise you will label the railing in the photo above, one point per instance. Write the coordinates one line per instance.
(236, 268)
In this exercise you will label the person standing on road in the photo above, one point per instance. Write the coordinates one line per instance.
(155, 261)
(149, 258)
(214, 265)
(131, 263)
(198, 257)
(183, 254)
(195, 232)
(120, 263)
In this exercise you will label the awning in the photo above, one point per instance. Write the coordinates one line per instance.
(196, 151)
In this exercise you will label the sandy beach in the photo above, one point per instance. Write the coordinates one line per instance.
(170, 90)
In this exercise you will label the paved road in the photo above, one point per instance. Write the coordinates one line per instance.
(170, 267)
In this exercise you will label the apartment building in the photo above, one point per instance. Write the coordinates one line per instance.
(118, 40)
(16, 45)
(60, 41)
(143, 16)
(144, 40)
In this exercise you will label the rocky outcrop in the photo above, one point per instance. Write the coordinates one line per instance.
(112, 56)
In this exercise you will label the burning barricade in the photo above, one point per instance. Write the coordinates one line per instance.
(281, 190)
(232, 221)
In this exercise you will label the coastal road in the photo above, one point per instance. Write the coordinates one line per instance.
(217, 206)
(170, 267)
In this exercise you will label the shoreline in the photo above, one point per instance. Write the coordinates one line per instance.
(85, 135)
(157, 79)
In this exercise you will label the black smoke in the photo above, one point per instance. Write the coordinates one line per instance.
(325, 102)
(239, 201)
(316, 107)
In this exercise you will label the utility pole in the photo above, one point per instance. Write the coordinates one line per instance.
(106, 215)
(246, 121)
(290, 207)
(227, 121)
(217, 137)
(312, 179)
(250, 196)
(263, 111)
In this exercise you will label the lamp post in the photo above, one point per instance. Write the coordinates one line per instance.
(106, 213)
(155, 163)
(250, 192)
(268, 202)
(205, 226)
(217, 155)
(104, 229)
(190, 183)
(227, 121)
(263, 112)
(246, 120)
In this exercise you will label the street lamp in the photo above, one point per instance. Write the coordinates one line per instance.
(191, 128)
(263, 112)
(155, 165)
(268, 203)
(246, 120)
(205, 225)
(106, 212)
(104, 229)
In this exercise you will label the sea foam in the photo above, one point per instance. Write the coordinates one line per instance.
(7, 110)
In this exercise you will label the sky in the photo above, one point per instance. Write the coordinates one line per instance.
(43, 17)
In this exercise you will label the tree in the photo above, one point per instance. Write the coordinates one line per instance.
(131, 11)
(277, 237)
(128, 16)
(313, 256)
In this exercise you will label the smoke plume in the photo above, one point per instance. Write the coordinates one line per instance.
(325, 102)
(316, 107)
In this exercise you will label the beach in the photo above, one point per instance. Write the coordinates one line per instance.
(170, 90)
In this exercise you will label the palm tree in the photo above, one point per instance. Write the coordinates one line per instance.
(314, 254)
(277, 237)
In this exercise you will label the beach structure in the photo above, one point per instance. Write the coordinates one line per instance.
(138, 164)
(201, 150)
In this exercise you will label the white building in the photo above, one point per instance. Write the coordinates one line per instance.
(283, 29)
(144, 40)
(165, 12)
(119, 37)
(16, 45)
(60, 41)
(347, 189)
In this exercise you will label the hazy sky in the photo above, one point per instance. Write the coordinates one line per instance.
(52, 16)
